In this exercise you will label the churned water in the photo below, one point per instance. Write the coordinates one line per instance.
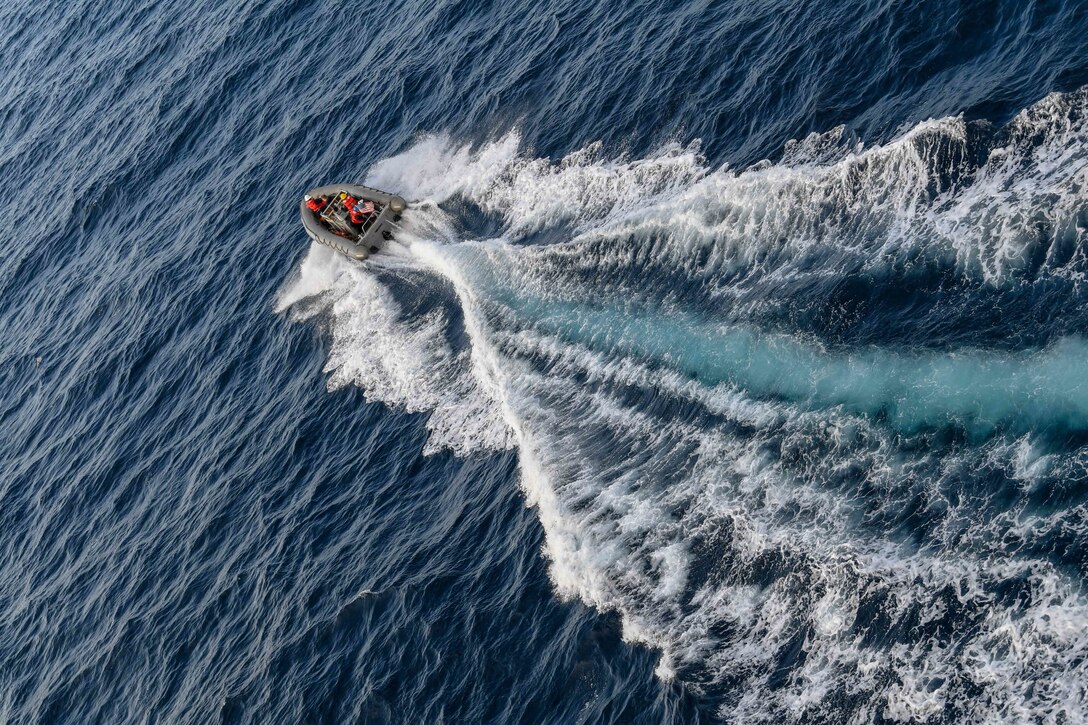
(731, 365)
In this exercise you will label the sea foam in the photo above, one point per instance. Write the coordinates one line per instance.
(802, 530)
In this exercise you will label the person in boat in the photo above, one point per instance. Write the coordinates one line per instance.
(349, 206)
(316, 205)
(360, 213)
(347, 201)
(357, 213)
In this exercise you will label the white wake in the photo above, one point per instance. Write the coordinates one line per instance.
(747, 502)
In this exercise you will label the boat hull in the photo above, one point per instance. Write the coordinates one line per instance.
(380, 231)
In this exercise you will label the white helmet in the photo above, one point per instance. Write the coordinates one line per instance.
(307, 197)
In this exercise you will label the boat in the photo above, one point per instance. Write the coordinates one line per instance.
(331, 225)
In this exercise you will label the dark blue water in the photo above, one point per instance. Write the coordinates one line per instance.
(732, 363)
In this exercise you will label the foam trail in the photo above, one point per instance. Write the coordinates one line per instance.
(797, 526)
(316, 275)
(406, 363)
(592, 504)
(974, 389)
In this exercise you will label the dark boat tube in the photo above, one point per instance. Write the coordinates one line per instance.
(374, 236)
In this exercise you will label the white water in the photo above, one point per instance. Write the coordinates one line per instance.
(739, 494)
(407, 363)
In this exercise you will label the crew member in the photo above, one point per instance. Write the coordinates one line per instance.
(356, 213)
(360, 212)
(315, 205)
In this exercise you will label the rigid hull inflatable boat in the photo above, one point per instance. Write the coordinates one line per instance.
(352, 219)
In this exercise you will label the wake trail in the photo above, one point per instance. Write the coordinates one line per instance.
(977, 390)
(804, 530)
(614, 541)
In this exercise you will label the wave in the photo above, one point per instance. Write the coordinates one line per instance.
(404, 361)
(726, 544)
(977, 390)
(803, 529)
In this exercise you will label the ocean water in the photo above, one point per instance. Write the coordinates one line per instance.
(731, 365)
